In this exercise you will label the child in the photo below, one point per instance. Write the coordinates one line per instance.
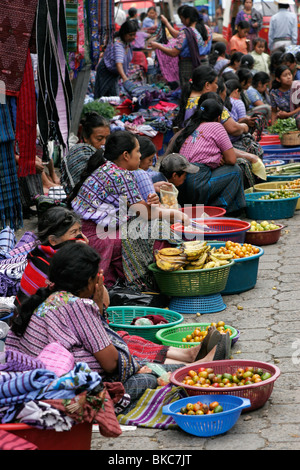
(234, 63)
(239, 42)
(217, 58)
(290, 60)
(247, 62)
(262, 60)
(280, 96)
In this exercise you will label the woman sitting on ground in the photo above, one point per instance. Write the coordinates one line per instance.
(68, 312)
(205, 143)
(56, 226)
(108, 201)
(94, 130)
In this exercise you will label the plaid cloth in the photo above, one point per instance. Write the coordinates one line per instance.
(73, 164)
(10, 202)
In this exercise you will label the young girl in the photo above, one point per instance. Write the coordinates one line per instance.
(217, 58)
(257, 93)
(239, 41)
(262, 60)
(234, 103)
(245, 78)
(280, 96)
(247, 62)
(234, 63)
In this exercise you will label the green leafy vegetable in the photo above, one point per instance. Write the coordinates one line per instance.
(282, 126)
(104, 109)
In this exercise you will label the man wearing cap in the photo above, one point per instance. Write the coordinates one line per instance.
(283, 30)
(173, 168)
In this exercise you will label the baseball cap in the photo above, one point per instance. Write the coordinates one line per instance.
(175, 162)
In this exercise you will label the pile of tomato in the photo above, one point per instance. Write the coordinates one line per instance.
(238, 250)
(198, 335)
(201, 408)
(206, 377)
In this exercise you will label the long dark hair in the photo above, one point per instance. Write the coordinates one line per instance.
(94, 162)
(70, 270)
(193, 15)
(147, 147)
(260, 77)
(231, 85)
(218, 50)
(201, 75)
(209, 111)
(128, 26)
(235, 57)
(278, 72)
(119, 142)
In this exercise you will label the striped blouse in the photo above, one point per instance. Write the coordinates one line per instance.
(73, 322)
(207, 144)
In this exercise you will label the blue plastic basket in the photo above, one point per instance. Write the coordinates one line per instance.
(282, 177)
(271, 209)
(278, 151)
(198, 304)
(212, 424)
(243, 274)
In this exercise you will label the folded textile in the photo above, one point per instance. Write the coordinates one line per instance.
(44, 384)
(16, 361)
(148, 411)
(42, 415)
(57, 359)
(95, 408)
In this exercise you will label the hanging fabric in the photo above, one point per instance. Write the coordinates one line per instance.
(10, 204)
(55, 90)
(26, 122)
(101, 26)
(16, 24)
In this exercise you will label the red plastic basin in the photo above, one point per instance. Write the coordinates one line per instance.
(78, 438)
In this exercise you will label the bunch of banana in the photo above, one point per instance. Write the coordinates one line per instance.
(210, 258)
(194, 249)
(170, 259)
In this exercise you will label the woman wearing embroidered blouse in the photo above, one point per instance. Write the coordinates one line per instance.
(191, 42)
(115, 61)
(69, 312)
(108, 200)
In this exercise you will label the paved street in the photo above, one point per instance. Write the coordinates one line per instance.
(270, 332)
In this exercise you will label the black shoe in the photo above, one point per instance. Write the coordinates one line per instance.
(210, 341)
(223, 348)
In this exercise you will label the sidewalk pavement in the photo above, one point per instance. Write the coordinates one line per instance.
(270, 332)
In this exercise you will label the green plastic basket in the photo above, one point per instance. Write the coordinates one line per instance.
(190, 283)
(120, 318)
(173, 336)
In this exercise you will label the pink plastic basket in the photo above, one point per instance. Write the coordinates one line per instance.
(257, 393)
